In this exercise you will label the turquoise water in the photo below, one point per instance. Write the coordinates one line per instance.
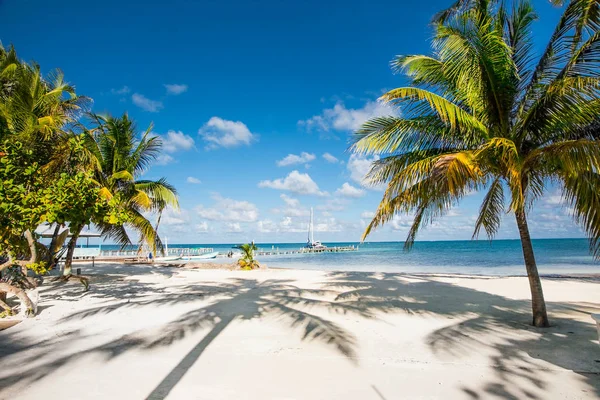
(500, 257)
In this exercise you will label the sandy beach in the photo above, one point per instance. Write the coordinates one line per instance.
(168, 333)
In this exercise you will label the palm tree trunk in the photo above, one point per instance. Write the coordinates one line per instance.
(71, 249)
(26, 305)
(32, 250)
(538, 305)
(156, 231)
(50, 260)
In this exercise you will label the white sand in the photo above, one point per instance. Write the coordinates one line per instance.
(144, 332)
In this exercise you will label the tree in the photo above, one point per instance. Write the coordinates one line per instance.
(482, 113)
(122, 158)
(247, 261)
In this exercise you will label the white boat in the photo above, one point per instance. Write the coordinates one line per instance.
(312, 243)
(167, 257)
(205, 256)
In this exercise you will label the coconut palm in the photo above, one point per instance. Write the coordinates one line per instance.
(122, 158)
(247, 260)
(35, 112)
(482, 113)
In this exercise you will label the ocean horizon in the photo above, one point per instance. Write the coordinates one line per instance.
(499, 257)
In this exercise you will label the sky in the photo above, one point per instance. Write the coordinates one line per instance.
(255, 102)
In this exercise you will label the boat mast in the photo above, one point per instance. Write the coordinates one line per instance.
(312, 233)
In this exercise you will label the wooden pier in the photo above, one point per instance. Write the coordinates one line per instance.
(305, 250)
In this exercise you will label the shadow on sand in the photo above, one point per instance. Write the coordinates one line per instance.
(484, 321)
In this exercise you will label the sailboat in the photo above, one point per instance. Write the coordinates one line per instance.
(311, 243)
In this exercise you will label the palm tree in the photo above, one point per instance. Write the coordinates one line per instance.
(247, 261)
(35, 112)
(482, 113)
(122, 158)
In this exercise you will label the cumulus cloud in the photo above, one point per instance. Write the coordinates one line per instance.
(202, 227)
(367, 214)
(121, 91)
(218, 132)
(195, 181)
(347, 190)
(330, 158)
(292, 208)
(335, 205)
(267, 226)
(292, 159)
(176, 140)
(171, 217)
(359, 166)
(295, 182)
(233, 227)
(340, 118)
(290, 201)
(228, 210)
(145, 103)
(553, 199)
(175, 89)
(164, 159)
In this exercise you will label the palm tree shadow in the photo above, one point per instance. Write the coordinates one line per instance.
(494, 324)
(238, 299)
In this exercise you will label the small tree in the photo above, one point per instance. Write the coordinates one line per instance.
(248, 261)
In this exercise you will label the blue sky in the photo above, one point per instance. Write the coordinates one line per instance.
(255, 102)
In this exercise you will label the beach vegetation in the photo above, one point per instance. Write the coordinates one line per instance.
(247, 261)
(122, 159)
(483, 113)
(56, 170)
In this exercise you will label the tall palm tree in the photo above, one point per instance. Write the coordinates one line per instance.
(123, 157)
(36, 111)
(482, 113)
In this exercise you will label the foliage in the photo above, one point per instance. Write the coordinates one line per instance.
(482, 114)
(28, 199)
(122, 158)
(247, 261)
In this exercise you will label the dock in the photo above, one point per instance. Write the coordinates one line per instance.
(305, 250)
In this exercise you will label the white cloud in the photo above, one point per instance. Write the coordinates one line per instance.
(340, 118)
(145, 103)
(292, 159)
(202, 227)
(176, 140)
(175, 89)
(347, 190)
(123, 90)
(367, 214)
(290, 201)
(172, 217)
(333, 205)
(359, 166)
(164, 159)
(228, 210)
(195, 181)
(330, 158)
(234, 227)
(401, 222)
(267, 226)
(292, 209)
(553, 199)
(218, 132)
(295, 182)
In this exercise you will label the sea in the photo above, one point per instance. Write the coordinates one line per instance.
(498, 257)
